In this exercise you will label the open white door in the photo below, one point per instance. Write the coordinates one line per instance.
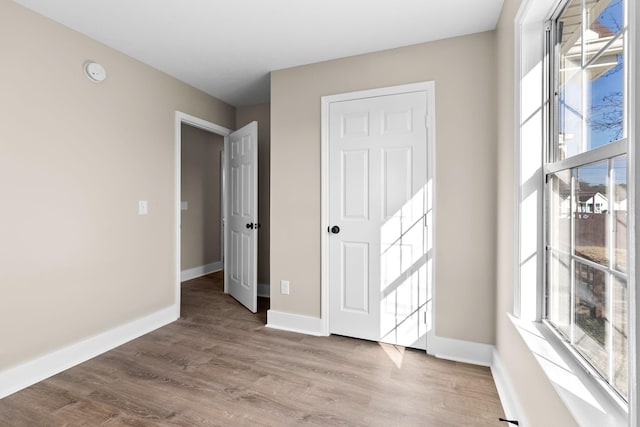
(241, 216)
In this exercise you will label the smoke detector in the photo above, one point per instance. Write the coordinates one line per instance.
(95, 72)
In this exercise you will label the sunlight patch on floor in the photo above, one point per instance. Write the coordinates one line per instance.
(394, 352)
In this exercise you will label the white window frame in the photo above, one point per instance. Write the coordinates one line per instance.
(603, 153)
(584, 395)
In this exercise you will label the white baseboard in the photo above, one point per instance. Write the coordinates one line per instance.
(36, 370)
(459, 350)
(505, 390)
(195, 272)
(294, 323)
(264, 291)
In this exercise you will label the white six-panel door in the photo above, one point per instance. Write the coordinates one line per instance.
(241, 218)
(377, 226)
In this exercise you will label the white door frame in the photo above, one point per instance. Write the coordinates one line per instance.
(209, 127)
(429, 87)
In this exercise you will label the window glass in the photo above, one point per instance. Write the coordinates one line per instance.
(560, 207)
(590, 84)
(591, 226)
(605, 103)
(559, 296)
(619, 213)
(605, 19)
(571, 115)
(590, 324)
(570, 40)
(619, 336)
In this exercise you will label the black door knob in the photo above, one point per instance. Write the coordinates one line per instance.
(335, 229)
(250, 225)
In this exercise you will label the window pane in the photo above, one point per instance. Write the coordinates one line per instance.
(620, 333)
(571, 118)
(570, 99)
(590, 327)
(591, 77)
(560, 211)
(619, 212)
(590, 212)
(605, 103)
(559, 293)
(569, 29)
(606, 21)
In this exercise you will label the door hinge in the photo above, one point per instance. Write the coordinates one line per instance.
(424, 320)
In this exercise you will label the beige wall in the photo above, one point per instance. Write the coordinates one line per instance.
(261, 113)
(463, 69)
(540, 403)
(76, 259)
(200, 187)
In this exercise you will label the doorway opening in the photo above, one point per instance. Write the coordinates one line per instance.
(201, 130)
(201, 210)
(238, 220)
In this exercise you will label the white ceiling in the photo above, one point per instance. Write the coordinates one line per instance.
(228, 47)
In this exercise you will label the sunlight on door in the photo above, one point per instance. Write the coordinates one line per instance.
(405, 263)
(378, 187)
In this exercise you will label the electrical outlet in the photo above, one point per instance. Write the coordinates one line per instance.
(284, 287)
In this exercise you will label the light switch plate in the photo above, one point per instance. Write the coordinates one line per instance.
(184, 205)
(284, 287)
(143, 207)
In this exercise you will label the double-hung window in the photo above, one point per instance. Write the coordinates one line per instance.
(586, 195)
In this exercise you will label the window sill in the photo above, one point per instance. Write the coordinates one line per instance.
(581, 392)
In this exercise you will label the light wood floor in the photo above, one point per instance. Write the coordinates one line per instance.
(219, 366)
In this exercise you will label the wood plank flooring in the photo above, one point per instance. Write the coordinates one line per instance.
(219, 366)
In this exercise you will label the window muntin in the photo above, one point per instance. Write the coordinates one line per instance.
(586, 263)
